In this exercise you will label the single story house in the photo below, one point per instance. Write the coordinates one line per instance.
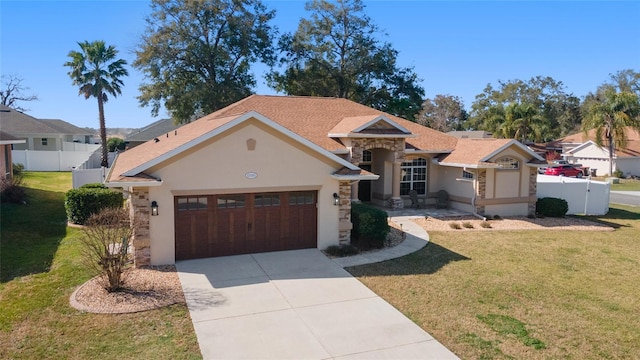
(7, 141)
(41, 134)
(581, 149)
(271, 173)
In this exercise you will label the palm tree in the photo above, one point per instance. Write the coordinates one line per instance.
(518, 121)
(611, 118)
(97, 73)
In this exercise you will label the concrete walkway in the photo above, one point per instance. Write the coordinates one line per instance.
(299, 304)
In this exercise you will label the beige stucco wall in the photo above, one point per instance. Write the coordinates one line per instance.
(450, 179)
(220, 166)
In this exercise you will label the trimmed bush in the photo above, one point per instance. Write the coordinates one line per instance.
(93, 186)
(552, 207)
(81, 203)
(342, 250)
(370, 227)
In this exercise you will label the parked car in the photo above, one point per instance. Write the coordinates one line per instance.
(564, 170)
(542, 170)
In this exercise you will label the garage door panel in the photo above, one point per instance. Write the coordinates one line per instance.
(221, 225)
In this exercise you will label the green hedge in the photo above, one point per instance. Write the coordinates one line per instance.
(552, 207)
(370, 226)
(85, 201)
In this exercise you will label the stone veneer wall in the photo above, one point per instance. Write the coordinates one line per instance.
(359, 145)
(344, 217)
(140, 210)
(481, 190)
(533, 189)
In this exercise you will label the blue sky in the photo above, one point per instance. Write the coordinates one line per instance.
(456, 47)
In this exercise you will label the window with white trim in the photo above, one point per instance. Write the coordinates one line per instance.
(44, 141)
(467, 175)
(508, 163)
(414, 176)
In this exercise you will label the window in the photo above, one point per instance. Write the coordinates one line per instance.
(192, 203)
(230, 201)
(262, 200)
(414, 177)
(467, 174)
(366, 156)
(44, 141)
(301, 198)
(508, 163)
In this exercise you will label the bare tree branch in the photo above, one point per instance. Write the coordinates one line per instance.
(11, 92)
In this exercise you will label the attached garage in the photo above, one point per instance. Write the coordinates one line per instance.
(231, 224)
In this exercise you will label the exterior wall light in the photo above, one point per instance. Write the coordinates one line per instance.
(336, 199)
(154, 208)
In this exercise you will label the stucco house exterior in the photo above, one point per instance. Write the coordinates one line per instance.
(581, 149)
(273, 173)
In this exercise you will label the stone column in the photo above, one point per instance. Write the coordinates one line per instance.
(354, 191)
(344, 216)
(481, 189)
(139, 207)
(396, 201)
(533, 190)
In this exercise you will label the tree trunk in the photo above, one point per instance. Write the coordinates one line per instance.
(104, 160)
(610, 154)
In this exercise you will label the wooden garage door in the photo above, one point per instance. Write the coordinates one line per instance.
(221, 225)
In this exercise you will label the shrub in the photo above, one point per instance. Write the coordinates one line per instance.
(83, 202)
(467, 225)
(12, 191)
(552, 207)
(93, 186)
(618, 173)
(342, 250)
(18, 169)
(114, 143)
(370, 226)
(455, 225)
(106, 245)
(485, 224)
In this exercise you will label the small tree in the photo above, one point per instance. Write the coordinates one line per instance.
(106, 245)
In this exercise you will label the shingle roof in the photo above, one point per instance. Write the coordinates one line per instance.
(311, 118)
(18, 123)
(153, 130)
(7, 137)
(64, 127)
(633, 141)
(478, 151)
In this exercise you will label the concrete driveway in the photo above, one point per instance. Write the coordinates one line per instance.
(295, 305)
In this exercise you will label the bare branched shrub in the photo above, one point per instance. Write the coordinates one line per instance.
(106, 240)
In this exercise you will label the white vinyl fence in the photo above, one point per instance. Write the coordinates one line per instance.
(38, 160)
(90, 171)
(584, 196)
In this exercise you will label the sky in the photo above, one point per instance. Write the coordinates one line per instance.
(455, 47)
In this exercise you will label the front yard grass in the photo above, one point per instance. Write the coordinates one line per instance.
(523, 294)
(40, 267)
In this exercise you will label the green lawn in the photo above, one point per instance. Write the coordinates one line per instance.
(626, 185)
(39, 269)
(523, 294)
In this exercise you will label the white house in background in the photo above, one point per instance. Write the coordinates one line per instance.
(588, 153)
(41, 134)
(48, 145)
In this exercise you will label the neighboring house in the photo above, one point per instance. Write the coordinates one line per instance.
(6, 162)
(581, 149)
(39, 134)
(471, 134)
(150, 132)
(273, 173)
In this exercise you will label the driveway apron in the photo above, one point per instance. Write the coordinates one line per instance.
(295, 305)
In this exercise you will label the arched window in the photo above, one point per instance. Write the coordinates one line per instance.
(508, 163)
(414, 176)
